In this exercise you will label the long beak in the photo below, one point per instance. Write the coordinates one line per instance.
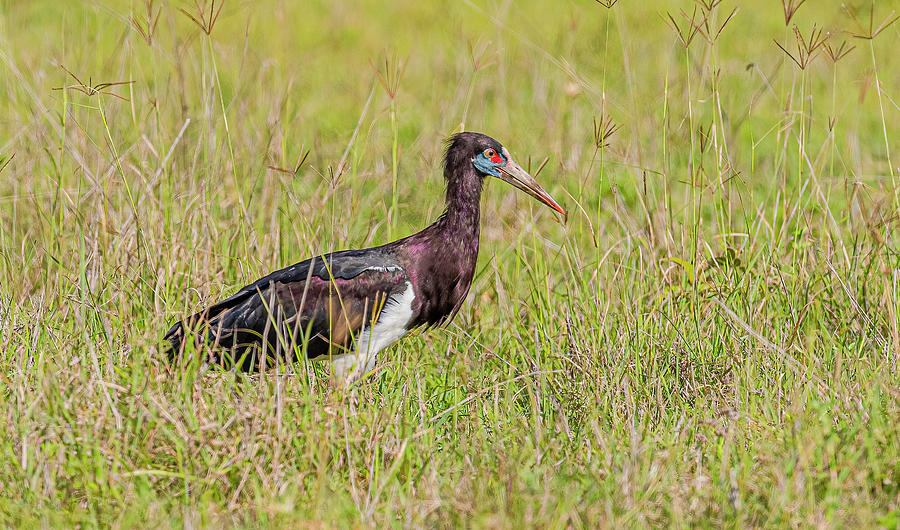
(520, 178)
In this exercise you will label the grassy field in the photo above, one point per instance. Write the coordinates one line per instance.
(710, 339)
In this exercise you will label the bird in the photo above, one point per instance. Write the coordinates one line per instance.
(347, 306)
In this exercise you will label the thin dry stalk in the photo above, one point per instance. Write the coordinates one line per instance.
(870, 31)
(540, 167)
(708, 5)
(390, 77)
(708, 31)
(479, 56)
(4, 163)
(603, 130)
(301, 159)
(687, 33)
(790, 9)
(704, 136)
(147, 27)
(204, 20)
(807, 48)
(90, 89)
(390, 81)
(835, 54)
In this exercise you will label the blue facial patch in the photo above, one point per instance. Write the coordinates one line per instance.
(487, 165)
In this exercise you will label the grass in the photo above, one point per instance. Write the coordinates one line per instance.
(711, 339)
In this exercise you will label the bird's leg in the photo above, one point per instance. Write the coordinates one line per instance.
(350, 367)
(353, 401)
(342, 368)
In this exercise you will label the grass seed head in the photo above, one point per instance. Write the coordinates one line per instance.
(205, 19)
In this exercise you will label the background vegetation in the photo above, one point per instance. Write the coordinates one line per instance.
(710, 339)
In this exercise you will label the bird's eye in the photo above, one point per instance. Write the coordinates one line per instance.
(490, 153)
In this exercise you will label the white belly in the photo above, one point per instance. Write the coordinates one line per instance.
(391, 325)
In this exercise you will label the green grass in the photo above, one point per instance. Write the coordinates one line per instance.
(711, 339)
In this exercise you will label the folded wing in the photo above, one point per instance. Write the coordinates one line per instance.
(318, 306)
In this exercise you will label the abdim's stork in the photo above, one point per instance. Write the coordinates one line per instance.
(349, 305)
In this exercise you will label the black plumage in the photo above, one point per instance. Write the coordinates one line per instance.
(326, 304)
(319, 302)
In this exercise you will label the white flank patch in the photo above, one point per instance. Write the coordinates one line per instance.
(395, 316)
(389, 268)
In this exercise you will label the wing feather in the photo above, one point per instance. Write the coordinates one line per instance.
(321, 303)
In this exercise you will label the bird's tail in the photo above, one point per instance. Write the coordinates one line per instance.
(175, 341)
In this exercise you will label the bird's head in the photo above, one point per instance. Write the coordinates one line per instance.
(489, 158)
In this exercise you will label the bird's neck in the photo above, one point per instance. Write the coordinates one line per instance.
(461, 220)
(442, 257)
